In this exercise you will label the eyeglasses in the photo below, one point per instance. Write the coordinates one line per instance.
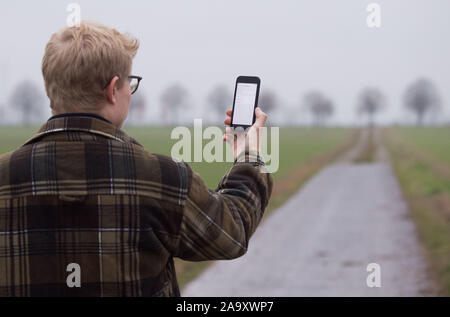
(134, 83)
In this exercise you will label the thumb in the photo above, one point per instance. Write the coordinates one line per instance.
(261, 118)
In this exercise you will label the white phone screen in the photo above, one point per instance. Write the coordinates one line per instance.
(244, 105)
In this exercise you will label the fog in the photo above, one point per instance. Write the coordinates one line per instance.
(293, 46)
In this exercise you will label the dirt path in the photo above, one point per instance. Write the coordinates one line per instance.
(320, 242)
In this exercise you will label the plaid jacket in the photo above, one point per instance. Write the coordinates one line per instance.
(81, 191)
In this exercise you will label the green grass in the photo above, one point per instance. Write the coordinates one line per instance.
(157, 140)
(299, 147)
(418, 156)
(13, 137)
(296, 146)
(434, 141)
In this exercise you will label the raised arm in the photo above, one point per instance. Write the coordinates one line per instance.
(218, 224)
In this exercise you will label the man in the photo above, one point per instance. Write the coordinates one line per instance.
(85, 210)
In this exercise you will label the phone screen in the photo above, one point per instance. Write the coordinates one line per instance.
(244, 104)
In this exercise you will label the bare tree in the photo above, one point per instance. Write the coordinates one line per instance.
(137, 107)
(220, 100)
(268, 101)
(370, 102)
(173, 100)
(28, 100)
(421, 97)
(320, 107)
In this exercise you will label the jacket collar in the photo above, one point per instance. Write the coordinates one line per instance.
(82, 123)
(90, 115)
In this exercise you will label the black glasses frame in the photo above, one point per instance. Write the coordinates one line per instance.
(139, 78)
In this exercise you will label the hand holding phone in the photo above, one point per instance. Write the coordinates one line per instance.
(246, 97)
(245, 141)
(245, 114)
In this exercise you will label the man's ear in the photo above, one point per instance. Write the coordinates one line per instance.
(110, 91)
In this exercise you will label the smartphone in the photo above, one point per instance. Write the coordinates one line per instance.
(246, 95)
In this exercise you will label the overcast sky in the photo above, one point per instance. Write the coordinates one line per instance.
(294, 46)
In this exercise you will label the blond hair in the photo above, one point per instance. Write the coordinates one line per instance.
(79, 62)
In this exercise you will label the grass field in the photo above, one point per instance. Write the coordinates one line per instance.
(297, 145)
(434, 141)
(421, 158)
(303, 151)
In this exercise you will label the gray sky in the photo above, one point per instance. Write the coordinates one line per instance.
(294, 46)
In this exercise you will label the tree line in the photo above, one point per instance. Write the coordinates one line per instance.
(420, 98)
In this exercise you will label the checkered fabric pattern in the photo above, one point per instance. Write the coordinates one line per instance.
(82, 191)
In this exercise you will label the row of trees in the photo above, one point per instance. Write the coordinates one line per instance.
(420, 98)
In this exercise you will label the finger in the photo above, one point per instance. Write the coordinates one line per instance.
(227, 121)
(228, 131)
(261, 118)
(229, 112)
(228, 134)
